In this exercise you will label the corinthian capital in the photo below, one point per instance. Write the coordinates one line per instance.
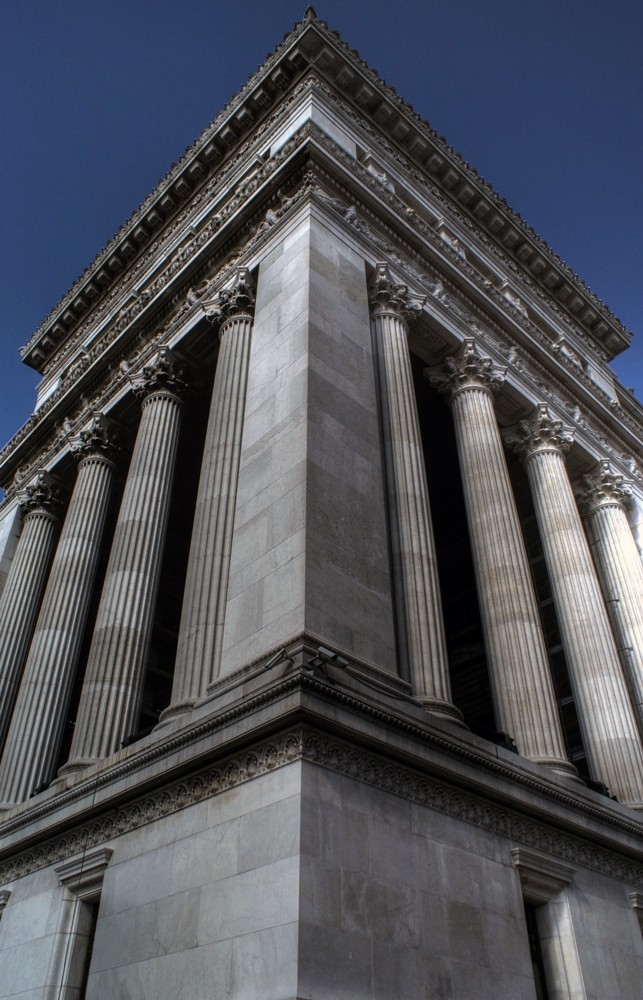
(468, 369)
(604, 487)
(98, 438)
(164, 373)
(238, 299)
(43, 493)
(387, 297)
(539, 433)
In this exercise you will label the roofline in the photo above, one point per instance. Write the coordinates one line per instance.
(313, 43)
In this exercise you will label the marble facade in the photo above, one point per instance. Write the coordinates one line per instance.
(288, 709)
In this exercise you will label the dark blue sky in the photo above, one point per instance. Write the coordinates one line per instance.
(99, 97)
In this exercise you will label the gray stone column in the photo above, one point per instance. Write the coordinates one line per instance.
(605, 497)
(111, 696)
(198, 658)
(606, 717)
(36, 728)
(417, 591)
(40, 502)
(519, 669)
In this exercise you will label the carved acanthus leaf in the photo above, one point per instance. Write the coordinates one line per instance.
(385, 296)
(468, 369)
(164, 373)
(540, 432)
(238, 299)
(98, 438)
(43, 493)
(604, 487)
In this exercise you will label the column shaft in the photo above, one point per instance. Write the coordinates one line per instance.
(23, 589)
(607, 721)
(198, 658)
(605, 497)
(518, 663)
(111, 695)
(420, 622)
(36, 729)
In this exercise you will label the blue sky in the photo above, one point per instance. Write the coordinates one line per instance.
(99, 97)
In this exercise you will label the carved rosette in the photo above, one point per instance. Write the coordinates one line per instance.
(539, 433)
(234, 302)
(43, 494)
(163, 375)
(386, 297)
(97, 439)
(605, 487)
(468, 369)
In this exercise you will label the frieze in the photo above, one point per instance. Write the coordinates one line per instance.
(256, 228)
(447, 297)
(424, 181)
(348, 759)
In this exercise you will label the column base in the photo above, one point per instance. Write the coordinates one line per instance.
(70, 768)
(442, 709)
(174, 711)
(562, 767)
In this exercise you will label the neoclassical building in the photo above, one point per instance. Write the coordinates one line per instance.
(321, 606)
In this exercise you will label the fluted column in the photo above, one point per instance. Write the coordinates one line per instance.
(605, 714)
(605, 497)
(36, 729)
(111, 695)
(40, 503)
(198, 658)
(420, 623)
(518, 663)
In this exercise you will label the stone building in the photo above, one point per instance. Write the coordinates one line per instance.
(321, 621)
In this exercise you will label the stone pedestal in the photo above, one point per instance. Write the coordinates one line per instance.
(518, 664)
(111, 696)
(36, 728)
(605, 498)
(40, 502)
(611, 737)
(417, 592)
(201, 630)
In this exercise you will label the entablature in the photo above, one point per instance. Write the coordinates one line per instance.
(376, 106)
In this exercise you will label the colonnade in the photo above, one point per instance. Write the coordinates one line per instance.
(45, 602)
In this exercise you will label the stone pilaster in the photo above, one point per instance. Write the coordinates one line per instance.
(605, 497)
(34, 736)
(518, 663)
(111, 695)
(198, 658)
(40, 503)
(606, 717)
(417, 591)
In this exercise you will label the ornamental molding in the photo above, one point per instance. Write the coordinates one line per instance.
(552, 343)
(348, 759)
(539, 434)
(83, 875)
(466, 370)
(235, 300)
(542, 878)
(440, 291)
(425, 182)
(604, 487)
(111, 379)
(386, 297)
(164, 374)
(43, 495)
(97, 439)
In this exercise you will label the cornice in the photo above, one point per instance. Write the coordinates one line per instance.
(347, 758)
(169, 298)
(197, 255)
(313, 44)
